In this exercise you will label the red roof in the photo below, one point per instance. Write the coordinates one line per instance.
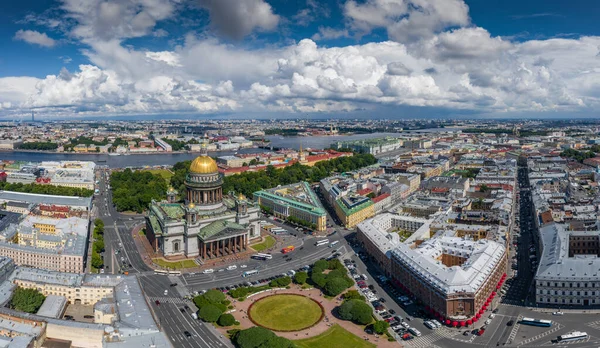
(380, 197)
(364, 192)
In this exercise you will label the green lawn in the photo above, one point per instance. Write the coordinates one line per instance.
(266, 244)
(285, 312)
(176, 264)
(162, 172)
(335, 337)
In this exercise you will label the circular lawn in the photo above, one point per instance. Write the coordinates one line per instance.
(286, 312)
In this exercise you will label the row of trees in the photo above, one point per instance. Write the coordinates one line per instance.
(134, 190)
(98, 246)
(39, 145)
(46, 189)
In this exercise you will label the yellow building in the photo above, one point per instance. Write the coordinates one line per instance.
(353, 210)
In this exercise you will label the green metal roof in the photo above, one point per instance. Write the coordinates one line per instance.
(220, 228)
(315, 208)
(353, 210)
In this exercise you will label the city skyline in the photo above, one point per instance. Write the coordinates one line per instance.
(275, 59)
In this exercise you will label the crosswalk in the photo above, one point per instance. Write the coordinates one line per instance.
(515, 329)
(428, 339)
(175, 300)
(542, 335)
(594, 324)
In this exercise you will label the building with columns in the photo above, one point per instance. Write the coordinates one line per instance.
(208, 224)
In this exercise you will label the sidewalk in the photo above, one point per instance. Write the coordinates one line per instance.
(328, 320)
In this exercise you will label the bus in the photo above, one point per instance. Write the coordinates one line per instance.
(249, 273)
(573, 336)
(536, 322)
(260, 256)
(332, 244)
(322, 242)
(288, 249)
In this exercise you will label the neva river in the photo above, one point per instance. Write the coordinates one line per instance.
(322, 142)
(115, 161)
(314, 142)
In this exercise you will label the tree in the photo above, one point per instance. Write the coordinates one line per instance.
(353, 295)
(99, 245)
(99, 223)
(27, 300)
(380, 326)
(320, 266)
(300, 277)
(210, 313)
(214, 296)
(334, 286)
(319, 279)
(239, 292)
(97, 261)
(280, 282)
(356, 311)
(259, 337)
(226, 320)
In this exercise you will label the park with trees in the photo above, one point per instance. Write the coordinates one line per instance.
(134, 190)
(250, 182)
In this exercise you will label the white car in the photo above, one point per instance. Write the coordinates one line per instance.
(243, 266)
(231, 268)
(208, 271)
(558, 313)
(487, 322)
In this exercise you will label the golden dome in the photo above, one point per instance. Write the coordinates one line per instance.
(241, 197)
(204, 165)
(191, 206)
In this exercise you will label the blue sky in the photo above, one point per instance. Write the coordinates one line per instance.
(489, 58)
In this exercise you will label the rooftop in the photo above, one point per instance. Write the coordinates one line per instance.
(77, 202)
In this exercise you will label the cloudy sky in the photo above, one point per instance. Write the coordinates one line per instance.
(385, 58)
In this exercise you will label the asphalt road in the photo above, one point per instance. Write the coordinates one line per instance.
(117, 236)
(175, 319)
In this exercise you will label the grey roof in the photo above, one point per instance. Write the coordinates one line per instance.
(555, 263)
(53, 306)
(15, 342)
(77, 202)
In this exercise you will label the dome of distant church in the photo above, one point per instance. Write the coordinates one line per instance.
(204, 165)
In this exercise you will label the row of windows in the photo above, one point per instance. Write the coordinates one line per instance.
(570, 301)
(570, 284)
(578, 293)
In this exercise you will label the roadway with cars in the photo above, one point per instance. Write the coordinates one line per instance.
(117, 236)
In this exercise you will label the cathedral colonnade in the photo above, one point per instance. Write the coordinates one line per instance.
(223, 247)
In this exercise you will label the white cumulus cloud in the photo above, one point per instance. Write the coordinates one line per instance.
(35, 37)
